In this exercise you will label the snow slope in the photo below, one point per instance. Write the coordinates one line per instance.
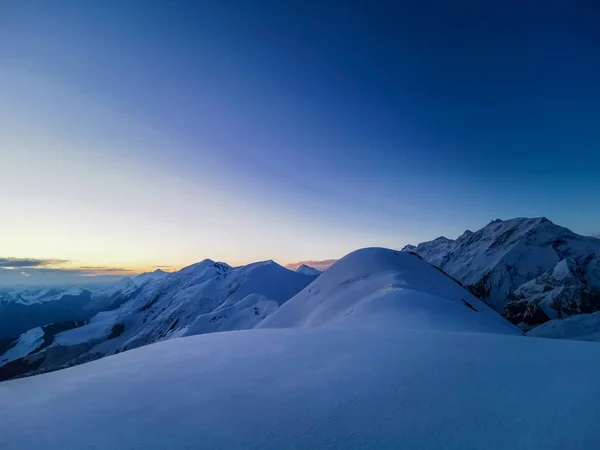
(373, 286)
(583, 327)
(530, 270)
(321, 387)
(98, 328)
(27, 308)
(149, 276)
(243, 315)
(26, 343)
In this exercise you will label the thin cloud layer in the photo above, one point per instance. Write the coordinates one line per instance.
(102, 269)
(22, 263)
(39, 271)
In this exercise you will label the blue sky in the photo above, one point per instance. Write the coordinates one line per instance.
(160, 133)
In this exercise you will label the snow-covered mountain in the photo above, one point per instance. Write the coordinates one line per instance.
(22, 309)
(201, 298)
(530, 270)
(30, 295)
(381, 351)
(376, 286)
(149, 276)
(307, 270)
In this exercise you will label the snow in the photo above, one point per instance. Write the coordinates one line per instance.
(36, 295)
(381, 351)
(315, 388)
(307, 270)
(26, 344)
(561, 270)
(372, 286)
(520, 259)
(149, 276)
(243, 315)
(201, 298)
(98, 328)
(123, 284)
(499, 245)
(583, 327)
(214, 294)
(33, 295)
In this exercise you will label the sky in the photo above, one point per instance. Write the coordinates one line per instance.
(142, 134)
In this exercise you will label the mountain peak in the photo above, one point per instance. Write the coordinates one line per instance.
(308, 270)
(496, 260)
(201, 264)
(268, 262)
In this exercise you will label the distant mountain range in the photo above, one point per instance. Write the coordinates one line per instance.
(204, 297)
(531, 271)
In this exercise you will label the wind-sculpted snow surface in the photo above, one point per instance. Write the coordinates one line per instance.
(324, 387)
(530, 270)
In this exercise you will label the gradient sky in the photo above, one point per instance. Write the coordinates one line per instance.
(137, 134)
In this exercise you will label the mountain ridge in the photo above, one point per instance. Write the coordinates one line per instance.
(496, 262)
(203, 297)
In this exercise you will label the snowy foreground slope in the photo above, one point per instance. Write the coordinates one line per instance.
(529, 270)
(396, 360)
(316, 388)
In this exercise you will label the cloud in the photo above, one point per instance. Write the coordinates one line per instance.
(321, 265)
(103, 269)
(21, 263)
(162, 267)
(37, 276)
(40, 271)
(41, 265)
